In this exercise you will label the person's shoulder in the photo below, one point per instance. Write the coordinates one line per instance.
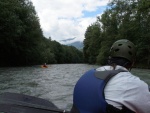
(124, 76)
(128, 79)
(104, 68)
(125, 73)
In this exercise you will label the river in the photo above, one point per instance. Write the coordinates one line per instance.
(55, 83)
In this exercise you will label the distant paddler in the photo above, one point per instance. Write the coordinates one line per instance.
(44, 66)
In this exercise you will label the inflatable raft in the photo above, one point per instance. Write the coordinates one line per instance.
(19, 103)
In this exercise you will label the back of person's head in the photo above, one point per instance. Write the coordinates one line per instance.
(122, 53)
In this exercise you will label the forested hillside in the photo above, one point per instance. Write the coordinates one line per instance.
(123, 19)
(22, 41)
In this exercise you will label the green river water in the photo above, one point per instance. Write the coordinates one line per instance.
(55, 83)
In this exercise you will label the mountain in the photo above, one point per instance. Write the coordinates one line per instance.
(77, 44)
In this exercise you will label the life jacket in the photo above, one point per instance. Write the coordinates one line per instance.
(89, 96)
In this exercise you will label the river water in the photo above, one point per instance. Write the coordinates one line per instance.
(55, 83)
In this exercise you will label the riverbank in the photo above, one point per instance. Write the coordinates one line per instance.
(142, 66)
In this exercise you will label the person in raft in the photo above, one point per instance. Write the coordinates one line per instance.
(44, 65)
(112, 88)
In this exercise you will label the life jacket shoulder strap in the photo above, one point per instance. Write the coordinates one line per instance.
(108, 74)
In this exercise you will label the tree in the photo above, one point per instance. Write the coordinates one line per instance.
(124, 19)
(20, 33)
(92, 42)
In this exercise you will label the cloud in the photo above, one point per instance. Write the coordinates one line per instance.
(69, 39)
(63, 19)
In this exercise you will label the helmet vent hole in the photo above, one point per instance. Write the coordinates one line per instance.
(130, 53)
(129, 47)
(116, 50)
(119, 44)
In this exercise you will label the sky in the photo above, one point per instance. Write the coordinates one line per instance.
(67, 19)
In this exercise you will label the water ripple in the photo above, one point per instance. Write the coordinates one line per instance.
(55, 83)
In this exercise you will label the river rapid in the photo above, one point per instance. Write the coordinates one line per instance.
(55, 83)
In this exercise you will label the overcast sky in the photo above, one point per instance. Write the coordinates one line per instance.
(65, 19)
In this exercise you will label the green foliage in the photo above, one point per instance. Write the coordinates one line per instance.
(21, 38)
(92, 42)
(20, 32)
(124, 19)
(72, 55)
(103, 53)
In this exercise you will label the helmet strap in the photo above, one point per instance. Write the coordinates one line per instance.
(131, 66)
